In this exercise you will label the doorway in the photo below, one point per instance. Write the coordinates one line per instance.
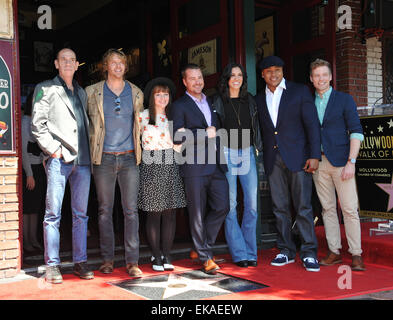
(141, 29)
(298, 32)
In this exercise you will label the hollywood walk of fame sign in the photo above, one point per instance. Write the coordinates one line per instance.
(190, 285)
(374, 167)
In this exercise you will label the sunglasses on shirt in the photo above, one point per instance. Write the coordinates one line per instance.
(117, 107)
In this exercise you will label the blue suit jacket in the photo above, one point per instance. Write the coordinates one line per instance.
(340, 120)
(186, 114)
(297, 133)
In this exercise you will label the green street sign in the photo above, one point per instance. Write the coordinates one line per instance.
(6, 114)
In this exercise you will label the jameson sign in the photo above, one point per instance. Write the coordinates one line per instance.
(374, 170)
(6, 114)
(204, 55)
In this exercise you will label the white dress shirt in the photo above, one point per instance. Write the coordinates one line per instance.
(273, 100)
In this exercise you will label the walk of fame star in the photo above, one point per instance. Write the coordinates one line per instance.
(388, 188)
(187, 286)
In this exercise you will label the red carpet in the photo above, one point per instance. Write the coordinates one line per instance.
(376, 249)
(291, 282)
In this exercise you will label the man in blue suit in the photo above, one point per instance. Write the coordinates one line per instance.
(341, 136)
(194, 125)
(291, 153)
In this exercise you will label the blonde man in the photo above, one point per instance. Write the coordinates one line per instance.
(341, 136)
(113, 106)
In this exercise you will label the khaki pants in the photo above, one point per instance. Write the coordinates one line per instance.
(327, 179)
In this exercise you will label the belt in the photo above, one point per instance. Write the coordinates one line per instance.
(119, 153)
(322, 153)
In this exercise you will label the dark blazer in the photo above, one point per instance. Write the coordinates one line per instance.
(218, 105)
(186, 114)
(340, 120)
(297, 134)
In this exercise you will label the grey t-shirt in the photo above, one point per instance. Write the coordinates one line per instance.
(119, 120)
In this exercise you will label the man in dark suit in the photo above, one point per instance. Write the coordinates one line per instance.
(341, 136)
(292, 149)
(194, 125)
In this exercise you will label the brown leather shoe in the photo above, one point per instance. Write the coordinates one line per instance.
(194, 255)
(195, 258)
(210, 267)
(357, 264)
(331, 259)
(106, 267)
(133, 270)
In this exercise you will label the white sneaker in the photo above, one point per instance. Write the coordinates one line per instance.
(281, 260)
(311, 264)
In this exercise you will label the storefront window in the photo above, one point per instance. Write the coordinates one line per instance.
(388, 70)
(301, 65)
(308, 24)
(197, 15)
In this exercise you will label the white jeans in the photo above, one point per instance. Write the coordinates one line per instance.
(327, 180)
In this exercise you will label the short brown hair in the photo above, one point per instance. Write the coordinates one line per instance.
(152, 109)
(106, 57)
(187, 67)
(320, 63)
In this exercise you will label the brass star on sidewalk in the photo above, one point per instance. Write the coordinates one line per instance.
(388, 188)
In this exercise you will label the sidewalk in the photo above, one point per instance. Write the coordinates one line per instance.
(188, 283)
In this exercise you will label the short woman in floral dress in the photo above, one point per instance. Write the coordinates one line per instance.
(161, 189)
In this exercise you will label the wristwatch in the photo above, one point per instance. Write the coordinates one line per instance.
(352, 160)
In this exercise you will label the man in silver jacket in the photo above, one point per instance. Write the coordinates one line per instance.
(60, 126)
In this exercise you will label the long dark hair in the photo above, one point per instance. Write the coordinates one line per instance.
(152, 109)
(223, 87)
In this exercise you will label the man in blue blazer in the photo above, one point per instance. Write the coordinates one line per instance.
(194, 126)
(341, 136)
(291, 152)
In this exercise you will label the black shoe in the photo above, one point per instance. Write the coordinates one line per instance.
(82, 271)
(168, 266)
(252, 263)
(242, 263)
(53, 275)
(156, 264)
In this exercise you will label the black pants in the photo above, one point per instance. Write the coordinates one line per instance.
(293, 187)
(208, 205)
(160, 230)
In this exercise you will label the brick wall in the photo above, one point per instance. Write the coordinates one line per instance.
(351, 57)
(9, 217)
(374, 71)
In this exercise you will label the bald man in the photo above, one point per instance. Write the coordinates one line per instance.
(60, 126)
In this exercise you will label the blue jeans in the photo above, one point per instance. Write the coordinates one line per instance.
(241, 240)
(123, 169)
(58, 172)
